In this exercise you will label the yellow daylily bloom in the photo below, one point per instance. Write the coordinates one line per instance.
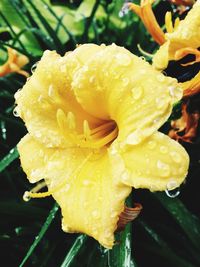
(92, 117)
(14, 63)
(183, 40)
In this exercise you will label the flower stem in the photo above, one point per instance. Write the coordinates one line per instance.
(120, 255)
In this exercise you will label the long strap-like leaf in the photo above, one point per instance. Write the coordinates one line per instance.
(43, 230)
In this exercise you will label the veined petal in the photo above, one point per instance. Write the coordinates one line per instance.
(47, 104)
(156, 164)
(186, 34)
(128, 90)
(83, 182)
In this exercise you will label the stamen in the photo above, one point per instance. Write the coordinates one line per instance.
(176, 23)
(144, 52)
(185, 51)
(34, 194)
(102, 127)
(86, 130)
(71, 122)
(168, 22)
(27, 195)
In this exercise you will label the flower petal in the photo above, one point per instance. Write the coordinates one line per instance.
(128, 90)
(187, 34)
(84, 184)
(155, 164)
(46, 102)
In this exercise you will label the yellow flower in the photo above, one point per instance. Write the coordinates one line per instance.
(181, 41)
(14, 63)
(92, 118)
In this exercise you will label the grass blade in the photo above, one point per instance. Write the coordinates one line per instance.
(60, 23)
(78, 244)
(187, 221)
(89, 20)
(58, 45)
(9, 158)
(43, 230)
(163, 249)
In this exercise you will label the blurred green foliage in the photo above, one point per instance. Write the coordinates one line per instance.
(167, 232)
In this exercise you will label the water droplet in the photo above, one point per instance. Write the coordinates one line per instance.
(26, 196)
(95, 214)
(63, 68)
(124, 10)
(125, 81)
(17, 94)
(38, 134)
(164, 168)
(172, 189)
(113, 214)
(123, 59)
(16, 112)
(163, 149)
(175, 156)
(137, 92)
(125, 176)
(175, 92)
(134, 138)
(51, 91)
(143, 58)
(34, 67)
(160, 102)
(160, 78)
(151, 144)
(86, 182)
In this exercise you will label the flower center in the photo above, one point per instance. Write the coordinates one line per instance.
(95, 138)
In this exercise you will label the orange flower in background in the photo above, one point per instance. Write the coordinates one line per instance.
(93, 117)
(144, 11)
(14, 63)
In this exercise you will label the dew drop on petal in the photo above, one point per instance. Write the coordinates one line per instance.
(160, 78)
(160, 102)
(125, 175)
(34, 67)
(172, 189)
(123, 59)
(113, 214)
(133, 138)
(125, 81)
(86, 182)
(137, 92)
(16, 112)
(151, 144)
(175, 156)
(163, 149)
(164, 168)
(95, 214)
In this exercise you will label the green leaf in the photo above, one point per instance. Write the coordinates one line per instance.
(9, 158)
(120, 255)
(42, 232)
(187, 221)
(78, 244)
(163, 249)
